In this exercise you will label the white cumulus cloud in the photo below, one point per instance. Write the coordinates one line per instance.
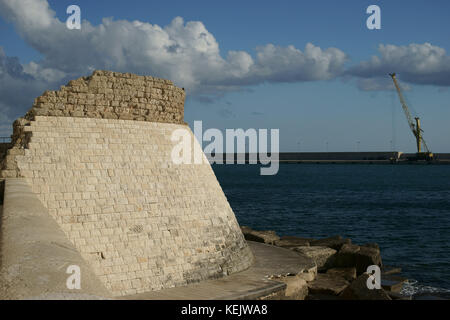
(18, 89)
(415, 63)
(185, 52)
(188, 54)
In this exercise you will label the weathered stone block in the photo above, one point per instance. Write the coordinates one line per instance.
(348, 274)
(292, 242)
(328, 284)
(335, 242)
(296, 288)
(89, 96)
(358, 290)
(268, 236)
(323, 256)
(359, 257)
(308, 274)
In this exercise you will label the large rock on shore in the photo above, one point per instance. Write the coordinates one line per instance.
(326, 284)
(290, 242)
(269, 237)
(296, 288)
(348, 274)
(324, 257)
(308, 274)
(392, 283)
(360, 257)
(358, 290)
(335, 242)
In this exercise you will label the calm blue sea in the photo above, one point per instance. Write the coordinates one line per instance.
(403, 208)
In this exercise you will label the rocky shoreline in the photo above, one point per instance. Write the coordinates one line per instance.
(340, 272)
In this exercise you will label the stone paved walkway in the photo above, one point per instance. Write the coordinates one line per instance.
(249, 284)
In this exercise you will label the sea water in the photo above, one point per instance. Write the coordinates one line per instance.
(403, 208)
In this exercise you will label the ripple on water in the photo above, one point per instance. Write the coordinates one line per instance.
(405, 209)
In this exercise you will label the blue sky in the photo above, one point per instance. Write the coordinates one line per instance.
(313, 106)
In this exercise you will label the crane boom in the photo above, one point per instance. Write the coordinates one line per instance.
(404, 106)
(413, 125)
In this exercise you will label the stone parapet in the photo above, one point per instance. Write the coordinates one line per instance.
(114, 95)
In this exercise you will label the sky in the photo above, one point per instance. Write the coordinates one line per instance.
(311, 69)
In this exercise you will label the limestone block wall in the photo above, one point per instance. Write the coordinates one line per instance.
(114, 95)
(97, 153)
(142, 222)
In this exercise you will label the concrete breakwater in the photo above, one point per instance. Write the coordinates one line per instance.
(387, 157)
(341, 268)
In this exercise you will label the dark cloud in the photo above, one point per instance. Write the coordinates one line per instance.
(17, 91)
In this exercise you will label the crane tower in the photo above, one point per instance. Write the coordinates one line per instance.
(414, 125)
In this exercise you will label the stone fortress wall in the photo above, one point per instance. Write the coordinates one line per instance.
(108, 180)
(113, 95)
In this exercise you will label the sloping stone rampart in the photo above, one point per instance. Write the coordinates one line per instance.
(142, 222)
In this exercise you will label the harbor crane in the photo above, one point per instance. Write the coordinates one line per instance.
(422, 154)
